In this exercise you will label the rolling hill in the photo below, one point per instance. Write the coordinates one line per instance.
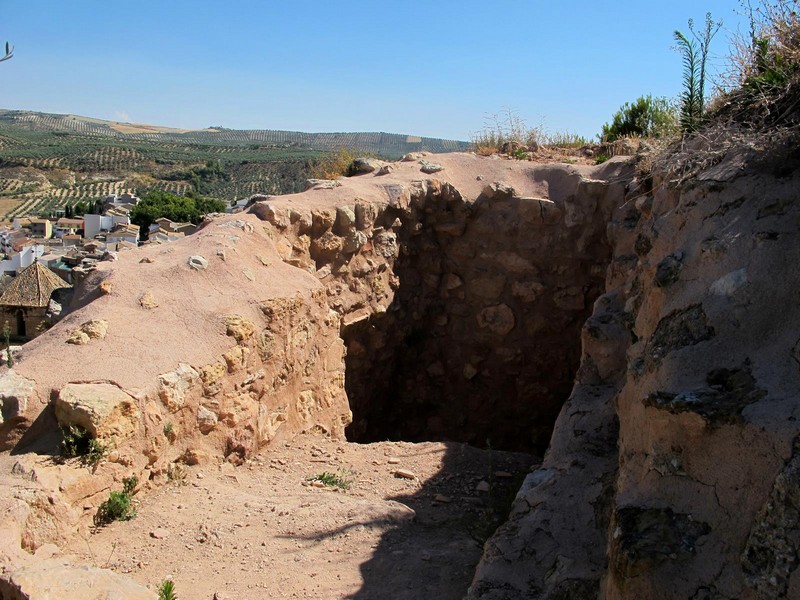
(48, 160)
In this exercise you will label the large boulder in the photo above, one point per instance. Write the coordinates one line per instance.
(102, 409)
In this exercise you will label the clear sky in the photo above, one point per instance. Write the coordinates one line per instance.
(436, 68)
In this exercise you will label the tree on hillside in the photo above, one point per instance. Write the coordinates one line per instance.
(189, 208)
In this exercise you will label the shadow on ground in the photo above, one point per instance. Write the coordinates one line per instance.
(434, 554)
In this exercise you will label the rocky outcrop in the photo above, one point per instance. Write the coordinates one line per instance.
(645, 330)
(674, 476)
(102, 409)
(14, 393)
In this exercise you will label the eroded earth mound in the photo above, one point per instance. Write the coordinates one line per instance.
(466, 299)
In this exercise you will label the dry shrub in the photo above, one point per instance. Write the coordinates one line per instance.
(762, 84)
(334, 164)
(756, 118)
(503, 129)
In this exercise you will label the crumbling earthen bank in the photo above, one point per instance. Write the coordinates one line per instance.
(465, 300)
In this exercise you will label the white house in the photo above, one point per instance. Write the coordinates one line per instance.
(94, 224)
(123, 233)
(65, 226)
(22, 259)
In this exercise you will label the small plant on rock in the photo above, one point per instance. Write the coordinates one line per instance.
(169, 430)
(339, 480)
(520, 154)
(97, 450)
(601, 158)
(7, 340)
(119, 506)
(75, 441)
(78, 442)
(176, 474)
(167, 591)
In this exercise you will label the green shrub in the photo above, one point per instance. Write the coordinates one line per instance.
(644, 117)
(167, 591)
(75, 441)
(338, 480)
(601, 158)
(97, 451)
(78, 442)
(119, 506)
(335, 164)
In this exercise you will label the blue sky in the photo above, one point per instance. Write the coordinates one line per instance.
(435, 68)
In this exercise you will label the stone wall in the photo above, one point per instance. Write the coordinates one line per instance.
(461, 317)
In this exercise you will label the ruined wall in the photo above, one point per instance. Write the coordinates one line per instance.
(672, 470)
(446, 306)
(461, 317)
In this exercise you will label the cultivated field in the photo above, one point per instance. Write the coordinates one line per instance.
(50, 161)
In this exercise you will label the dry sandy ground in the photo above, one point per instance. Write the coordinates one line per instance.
(263, 531)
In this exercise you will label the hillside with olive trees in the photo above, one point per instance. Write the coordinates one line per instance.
(50, 161)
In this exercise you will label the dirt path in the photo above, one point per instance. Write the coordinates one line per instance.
(264, 531)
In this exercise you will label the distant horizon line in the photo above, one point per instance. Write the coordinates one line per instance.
(212, 128)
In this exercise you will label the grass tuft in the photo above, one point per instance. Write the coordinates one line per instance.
(167, 591)
(339, 480)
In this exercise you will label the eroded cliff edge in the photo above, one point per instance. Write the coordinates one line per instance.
(420, 302)
(672, 472)
(462, 301)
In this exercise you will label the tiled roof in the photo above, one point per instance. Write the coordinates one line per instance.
(32, 287)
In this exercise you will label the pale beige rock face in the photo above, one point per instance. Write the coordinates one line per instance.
(14, 393)
(102, 409)
(51, 579)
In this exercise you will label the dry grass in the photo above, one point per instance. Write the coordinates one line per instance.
(513, 137)
(757, 116)
(761, 87)
(503, 129)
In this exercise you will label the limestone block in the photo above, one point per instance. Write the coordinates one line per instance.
(96, 329)
(236, 358)
(173, 386)
(239, 327)
(148, 301)
(102, 409)
(399, 195)
(15, 391)
(326, 247)
(367, 165)
(56, 578)
(498, 319)
(345, 219)
(527, 291)
(366, 214)
(538, 211)
(198, 263)
(206, 420)
(212, 373)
